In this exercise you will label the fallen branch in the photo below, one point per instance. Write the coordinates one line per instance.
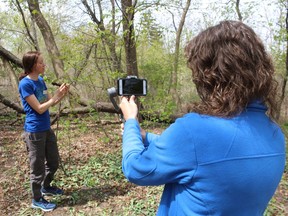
(11, 104)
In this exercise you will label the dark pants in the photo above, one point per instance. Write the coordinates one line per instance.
(44, 159)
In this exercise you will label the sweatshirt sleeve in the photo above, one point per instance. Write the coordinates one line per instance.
(162, 159)
(150, 137)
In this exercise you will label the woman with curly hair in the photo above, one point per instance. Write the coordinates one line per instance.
(227, 156)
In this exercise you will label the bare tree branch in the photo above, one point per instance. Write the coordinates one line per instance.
(109, 41)
(26, 26)
(10, 57)
(84, 63)
(238, 10)
(173, 20)
(100, 10)
(92, 14)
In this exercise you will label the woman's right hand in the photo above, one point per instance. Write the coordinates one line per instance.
(129, 107)
(61, 93)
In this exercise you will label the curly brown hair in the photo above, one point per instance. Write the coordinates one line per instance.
(230, 68)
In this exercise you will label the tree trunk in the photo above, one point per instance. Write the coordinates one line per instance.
(128, 11)
(284, 100)
(11, 73)
(174, 77)
(48, 37)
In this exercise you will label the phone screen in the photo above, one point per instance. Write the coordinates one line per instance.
(132, 87)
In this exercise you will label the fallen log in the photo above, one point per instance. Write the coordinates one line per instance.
(97, 107)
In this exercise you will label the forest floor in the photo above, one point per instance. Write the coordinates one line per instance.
(90, 172)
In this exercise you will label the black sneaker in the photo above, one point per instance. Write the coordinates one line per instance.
(43, 205)
(51, 191)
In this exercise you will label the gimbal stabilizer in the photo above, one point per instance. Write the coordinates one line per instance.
(112, 92)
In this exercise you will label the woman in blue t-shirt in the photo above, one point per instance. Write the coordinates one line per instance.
(227, 156)
(39, 137)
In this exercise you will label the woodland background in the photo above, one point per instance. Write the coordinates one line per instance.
(91, 43)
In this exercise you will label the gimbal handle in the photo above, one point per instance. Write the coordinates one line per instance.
(112, 92)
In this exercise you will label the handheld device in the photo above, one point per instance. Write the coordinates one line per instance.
(127, 87)
(131, 86)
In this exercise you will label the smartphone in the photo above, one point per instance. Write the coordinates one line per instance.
(132, 86)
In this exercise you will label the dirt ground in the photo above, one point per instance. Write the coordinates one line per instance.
(110, 194)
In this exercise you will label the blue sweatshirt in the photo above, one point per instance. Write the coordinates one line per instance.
(209, 165)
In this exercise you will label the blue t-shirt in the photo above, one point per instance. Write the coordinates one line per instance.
(209, 165)
(34, 121)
